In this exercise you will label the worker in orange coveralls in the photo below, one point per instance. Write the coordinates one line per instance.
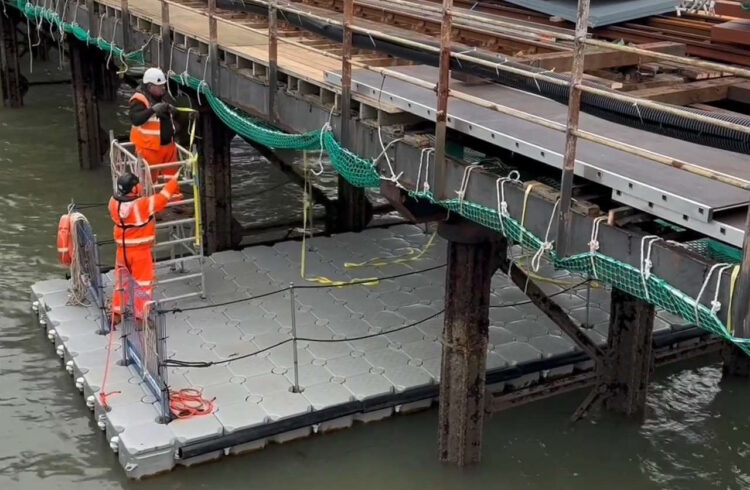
(135, 233)
(153, 123)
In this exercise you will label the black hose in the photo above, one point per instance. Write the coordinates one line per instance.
(644, 118)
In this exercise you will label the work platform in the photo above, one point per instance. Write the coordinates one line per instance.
(342, 382)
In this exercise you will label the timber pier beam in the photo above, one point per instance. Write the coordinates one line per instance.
(628, 370)
(221, 231)
(473, 257)
(10, 70)
(736, 362)
(84, 70)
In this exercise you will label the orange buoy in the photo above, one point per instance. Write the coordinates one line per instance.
(64, 245)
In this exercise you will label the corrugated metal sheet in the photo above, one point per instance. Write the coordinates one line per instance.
(603, 12)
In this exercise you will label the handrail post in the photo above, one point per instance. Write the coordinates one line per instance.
(571, 138)
(166, 38)
(295, 388)
(160, 324)
(346, 74)
(103, 320)
(213, 50)
(443, 89)
(125, 14)
(272, 59)
(126, 311)
(740, 308)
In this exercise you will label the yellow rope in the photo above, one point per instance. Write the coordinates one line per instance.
(307, 218)
(194, 169)
(525, 202)
(733, 283)
(412, 255)
(531, 274)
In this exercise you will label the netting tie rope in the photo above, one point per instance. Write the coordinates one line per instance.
(61, 27)
(170, 72)
(99, 35)
(385, 149)
(393, 178)
(203, 83)
(185, 73)
(114, 33)
(646, 264)
(426, 162)
(594, 243)
(546, 246)
(52, 24)
(38, 21)
(716, 304)
(502, 204)
(461, 192)
(323, 131)
(722, 266)
(28, 36)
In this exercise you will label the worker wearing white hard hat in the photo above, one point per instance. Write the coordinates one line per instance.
(153, 126)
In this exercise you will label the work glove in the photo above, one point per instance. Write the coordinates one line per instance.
(161, 109)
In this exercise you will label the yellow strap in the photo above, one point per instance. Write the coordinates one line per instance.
(307, 215)
(522, 261)
(194, 167)
(197, 203)
(733, 283)
(370, 281)
(410, 256)
(525, 202)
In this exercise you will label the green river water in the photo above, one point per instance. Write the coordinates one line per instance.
(696, 434)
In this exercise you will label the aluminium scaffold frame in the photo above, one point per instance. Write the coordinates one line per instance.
(184, 235)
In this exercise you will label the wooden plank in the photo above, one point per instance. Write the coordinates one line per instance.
(740, 93)
(732, 32)
(659, 80)
(690, 93)
(601, 58)
(731, 9)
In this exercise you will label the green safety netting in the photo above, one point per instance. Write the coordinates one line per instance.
(604, 269)
(37, 14)
(362, 172)
(714, 250)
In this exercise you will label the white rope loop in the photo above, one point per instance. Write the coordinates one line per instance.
(715, 305)
(547, 245)
(384, 152)
(647, 241)
(426, 186)
(461, 192)
(594, 243)
(502, 204)
(323, 130)
(112, 44)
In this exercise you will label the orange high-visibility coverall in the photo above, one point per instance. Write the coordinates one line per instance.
(134, 234)
(148, 143)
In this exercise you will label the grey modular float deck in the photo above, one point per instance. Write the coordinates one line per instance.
(255, 391)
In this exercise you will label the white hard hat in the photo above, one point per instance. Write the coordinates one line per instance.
(154, 76)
